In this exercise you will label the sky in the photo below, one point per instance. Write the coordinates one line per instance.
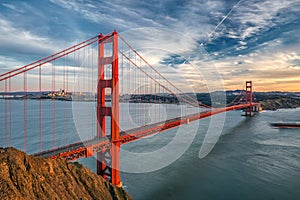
(237, 40)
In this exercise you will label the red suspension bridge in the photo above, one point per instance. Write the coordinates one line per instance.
(92, 68)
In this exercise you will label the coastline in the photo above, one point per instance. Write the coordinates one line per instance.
(280, 103)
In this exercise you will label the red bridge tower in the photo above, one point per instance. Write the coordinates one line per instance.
(108, 162)
(248, 98)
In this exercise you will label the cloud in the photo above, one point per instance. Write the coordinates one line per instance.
(265, 69)
(238, 36)
(13, 7)
(254, 25)
(8, 63)
(110, 15)
(20, 41)
(253, 17)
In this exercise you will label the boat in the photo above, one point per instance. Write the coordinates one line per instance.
(285, 124)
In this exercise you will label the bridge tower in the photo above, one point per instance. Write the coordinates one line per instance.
(248, 98)
(108, 162)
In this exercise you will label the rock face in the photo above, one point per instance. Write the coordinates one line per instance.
(27, 177)
(274, 104)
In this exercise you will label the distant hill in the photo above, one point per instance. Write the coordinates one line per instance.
(27, 177)
(278, 103)
(269, 100)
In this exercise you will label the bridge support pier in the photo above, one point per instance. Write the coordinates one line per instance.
(108, 162)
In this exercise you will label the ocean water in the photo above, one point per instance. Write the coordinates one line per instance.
(251, 160)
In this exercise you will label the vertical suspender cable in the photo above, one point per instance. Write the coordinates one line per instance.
(89, 92)
(67, 99)
(40, 106)
(6, 114)
(10, 113)
(53, 104)
(25, 108)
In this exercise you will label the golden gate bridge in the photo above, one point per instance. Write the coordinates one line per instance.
(101, 60)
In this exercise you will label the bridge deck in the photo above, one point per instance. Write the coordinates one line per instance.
(89, 147)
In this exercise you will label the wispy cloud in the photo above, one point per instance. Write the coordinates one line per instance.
(17, 40)
(13, 7)
(239, 37)
(253, 25)
(265, 69)
(108, 14)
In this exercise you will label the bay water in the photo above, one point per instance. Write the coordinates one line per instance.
(251, 160)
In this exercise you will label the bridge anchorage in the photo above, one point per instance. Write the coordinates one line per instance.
(106, 142)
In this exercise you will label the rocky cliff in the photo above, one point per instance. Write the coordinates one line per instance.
(27, 177)
(278, 103)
